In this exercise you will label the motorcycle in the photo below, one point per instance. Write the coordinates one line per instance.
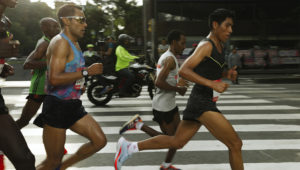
(102, 87)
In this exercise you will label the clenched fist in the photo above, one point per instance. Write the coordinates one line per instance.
(219, 86)
(181, 90)
(9, 47)
(182, 82)
(8, 70)
(94, 69)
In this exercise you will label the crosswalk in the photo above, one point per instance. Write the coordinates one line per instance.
(269, 128)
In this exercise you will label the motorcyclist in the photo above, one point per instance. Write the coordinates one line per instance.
(123, 61)
(109, 55)
(90, 55)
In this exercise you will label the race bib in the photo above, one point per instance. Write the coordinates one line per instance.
(79, 84)
(216, 96)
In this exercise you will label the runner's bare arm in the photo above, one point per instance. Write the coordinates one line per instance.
(160, 82)
(33, 60)
(187, 68)
(59, 51)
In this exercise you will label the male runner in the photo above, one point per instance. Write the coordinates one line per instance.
(205, 68)
(37, 61)
(62, 108)
(164, 106)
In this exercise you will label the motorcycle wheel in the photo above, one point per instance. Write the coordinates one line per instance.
(95, 96)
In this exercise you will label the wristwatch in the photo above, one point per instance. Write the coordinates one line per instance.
(84, 72)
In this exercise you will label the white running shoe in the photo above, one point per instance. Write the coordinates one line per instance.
(122, 153)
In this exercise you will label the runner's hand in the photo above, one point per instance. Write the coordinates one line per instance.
(94, 69)
(183, 82)
(8, 70)
(219, 86)
(181, 90)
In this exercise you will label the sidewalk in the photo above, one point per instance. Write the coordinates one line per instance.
(272, 76)
(270, 71)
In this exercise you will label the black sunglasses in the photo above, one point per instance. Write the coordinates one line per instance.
(79, 19)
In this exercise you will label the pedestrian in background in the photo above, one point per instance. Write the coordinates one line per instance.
(234, 61)
(162, 47)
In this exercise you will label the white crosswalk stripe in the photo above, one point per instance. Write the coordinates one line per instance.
(257, 120)
(207, 145)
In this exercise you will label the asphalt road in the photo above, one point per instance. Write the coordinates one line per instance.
(266, 117)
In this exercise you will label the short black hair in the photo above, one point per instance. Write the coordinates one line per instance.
(174, 35)
(220, 15)
(65, 11)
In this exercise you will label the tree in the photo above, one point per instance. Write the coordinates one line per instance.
(126, 17)
(25, 18)
(97, 20)
(112, 17)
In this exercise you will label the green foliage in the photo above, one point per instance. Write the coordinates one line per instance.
(126, 14)
(25, 23)
(96, 20)
(107, 16)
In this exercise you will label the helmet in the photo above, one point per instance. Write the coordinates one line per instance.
(123, 37)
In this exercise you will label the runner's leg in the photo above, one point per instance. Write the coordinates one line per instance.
(90, 129)
(221, 128)
(170, 129)
(13, 144)
(54, 141)
(185, 131)
(29, 110)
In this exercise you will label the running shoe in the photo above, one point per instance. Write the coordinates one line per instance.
(122, 153)
(169, 168)
(131, 124)
(2, 162)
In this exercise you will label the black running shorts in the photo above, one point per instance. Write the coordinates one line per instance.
(36, 97)
(167, 117)
(200, 101)
(60, 113)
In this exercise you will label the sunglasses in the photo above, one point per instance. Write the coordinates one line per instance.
(79, 19)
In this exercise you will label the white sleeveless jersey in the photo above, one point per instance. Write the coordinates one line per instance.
(164, 100)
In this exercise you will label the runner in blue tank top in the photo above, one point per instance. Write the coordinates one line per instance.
(205, 68)
(62, 108)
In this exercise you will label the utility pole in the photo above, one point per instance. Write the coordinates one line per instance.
(149, 22)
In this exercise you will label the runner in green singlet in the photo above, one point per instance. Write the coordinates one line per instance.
(37, 62)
